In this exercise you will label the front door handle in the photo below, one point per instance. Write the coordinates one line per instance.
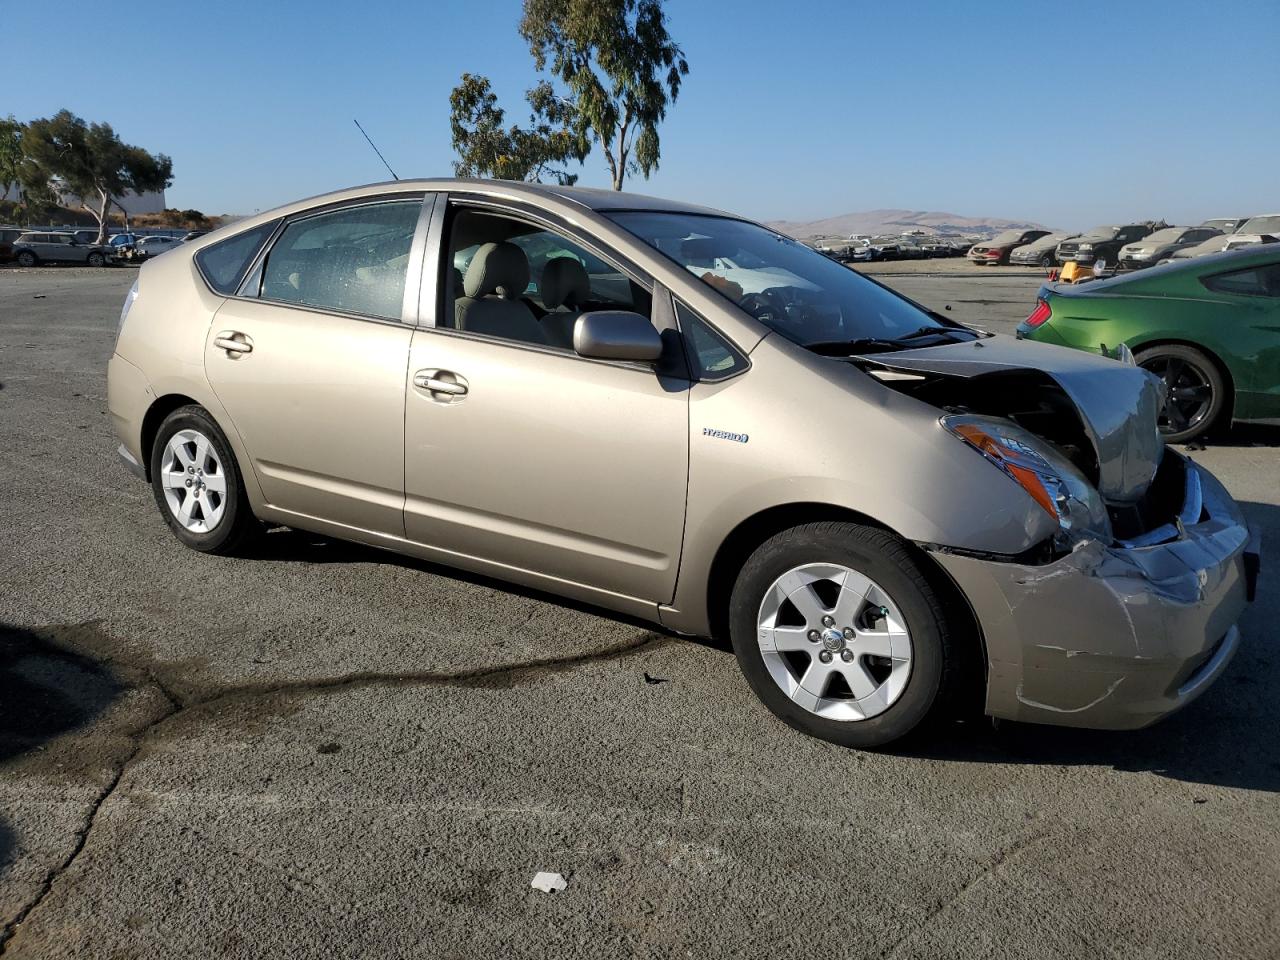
(443, 384)
(233, 341)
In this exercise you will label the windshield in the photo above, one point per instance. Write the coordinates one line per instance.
(1261, 225)
(803, 295)
(1160, 236)
(1101, 233)
(1007, 237)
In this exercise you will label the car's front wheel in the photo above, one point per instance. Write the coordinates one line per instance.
(97, 260)
(838, 630)
(197, 483)
(26, 259)
(1196, 391)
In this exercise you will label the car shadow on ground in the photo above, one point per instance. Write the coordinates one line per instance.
(1239, 435)
(1229, 737)
(46, 690)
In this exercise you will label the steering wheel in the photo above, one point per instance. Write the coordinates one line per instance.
(767, 306)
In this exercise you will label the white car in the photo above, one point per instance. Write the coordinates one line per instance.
(1264, 229)
(149, 247)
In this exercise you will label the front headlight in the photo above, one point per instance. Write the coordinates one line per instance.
(1085, 246)
(1051, 480)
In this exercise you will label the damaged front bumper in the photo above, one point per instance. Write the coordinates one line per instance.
(1115, 636)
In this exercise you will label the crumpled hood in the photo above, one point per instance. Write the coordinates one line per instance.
(1118, 404)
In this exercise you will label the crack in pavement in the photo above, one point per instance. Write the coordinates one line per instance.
(504, 677)
(994, 863)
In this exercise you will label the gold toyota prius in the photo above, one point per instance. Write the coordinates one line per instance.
(682, 415)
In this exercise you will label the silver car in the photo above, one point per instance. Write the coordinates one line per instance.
(1163, 244)
(684, 416)
(1040, 253)
(31, 249)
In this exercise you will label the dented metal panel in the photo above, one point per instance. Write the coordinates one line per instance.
(1118, 404)
(1111, 636)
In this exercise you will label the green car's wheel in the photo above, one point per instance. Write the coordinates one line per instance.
(1196, 389)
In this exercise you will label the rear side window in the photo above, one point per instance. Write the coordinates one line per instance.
(1261, 281)
(224, 264)
(351, 260)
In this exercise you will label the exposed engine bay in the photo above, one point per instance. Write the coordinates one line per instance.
(1097, 415)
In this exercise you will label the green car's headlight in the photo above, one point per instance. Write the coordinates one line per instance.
(1052, 481)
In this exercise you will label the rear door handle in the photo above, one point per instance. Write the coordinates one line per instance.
(444, 383)
(233, 341)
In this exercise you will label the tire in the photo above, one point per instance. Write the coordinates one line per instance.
(908, 688)
(26, 258)
(1197, 390)
(96, 260)
(1047, 260)
(218, 518)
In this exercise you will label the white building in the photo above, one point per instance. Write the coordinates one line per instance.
(132, 203)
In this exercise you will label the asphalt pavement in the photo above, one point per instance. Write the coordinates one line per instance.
(324, 750)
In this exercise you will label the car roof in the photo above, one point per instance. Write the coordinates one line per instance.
(591, 198)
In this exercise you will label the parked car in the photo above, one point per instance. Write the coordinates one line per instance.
(31, 249)
(627, 426)
(7, 236)
(122, 244)
(1102, 243)
(997, 249)
(886, 248)
(148, 247)
(1041, 252)
(1258, 229)
(1162, 245)
(193, 235)
(1224, 224)
(1227, 241)
(1206, 326)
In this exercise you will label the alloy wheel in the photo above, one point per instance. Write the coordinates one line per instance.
(194, 481)
(834, 642)
(1190, 392)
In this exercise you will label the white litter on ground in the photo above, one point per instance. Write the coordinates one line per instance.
(548, 882)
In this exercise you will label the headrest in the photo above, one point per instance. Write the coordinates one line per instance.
(564, 281)
(500, 268)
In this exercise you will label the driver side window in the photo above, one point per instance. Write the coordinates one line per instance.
(515, 280)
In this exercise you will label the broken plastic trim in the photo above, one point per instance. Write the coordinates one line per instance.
(1192, 508)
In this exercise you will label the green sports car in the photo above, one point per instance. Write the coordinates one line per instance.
(1208, 327)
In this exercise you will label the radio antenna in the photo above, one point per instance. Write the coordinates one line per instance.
(376, 150)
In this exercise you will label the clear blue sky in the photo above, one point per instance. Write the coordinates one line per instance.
(1068, 113)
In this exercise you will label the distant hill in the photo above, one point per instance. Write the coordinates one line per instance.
(899, 221)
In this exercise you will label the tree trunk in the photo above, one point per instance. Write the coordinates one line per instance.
(102, 216)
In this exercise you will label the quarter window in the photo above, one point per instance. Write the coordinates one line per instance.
(351, 260)
(1263, 281)
(710, 355)
(224, 263)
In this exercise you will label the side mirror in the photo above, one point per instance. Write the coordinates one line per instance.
(616, 335)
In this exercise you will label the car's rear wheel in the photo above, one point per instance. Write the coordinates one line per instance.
(838, 630)
(197, 483)
(97, 260)
(26, 259)
(1196, 390)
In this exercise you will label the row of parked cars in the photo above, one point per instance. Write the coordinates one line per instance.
(33, 247)
(862, 248)
(1127, 246)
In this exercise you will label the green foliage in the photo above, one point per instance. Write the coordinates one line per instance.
(10, 153)
(621, 68)
(488, 149)
(91, 161)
